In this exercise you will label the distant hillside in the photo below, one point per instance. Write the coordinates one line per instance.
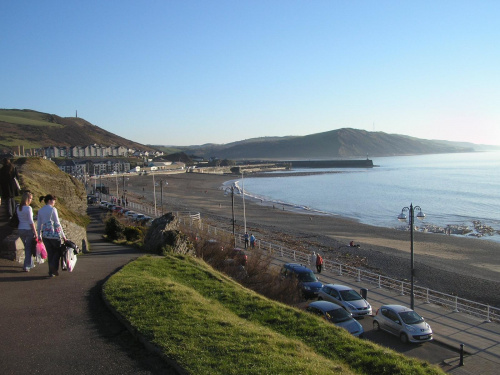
(341, 143)
(33, 129)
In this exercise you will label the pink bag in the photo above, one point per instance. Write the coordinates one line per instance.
(40, 249)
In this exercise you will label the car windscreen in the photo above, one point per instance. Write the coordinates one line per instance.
(307, 277)
(338, 315)
(350, 295)
(410, 317)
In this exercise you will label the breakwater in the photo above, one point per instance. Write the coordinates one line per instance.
(363, 163)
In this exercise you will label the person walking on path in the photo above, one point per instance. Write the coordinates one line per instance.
(9, 186)
(319, 262)
(26, 229)
(246, 239)
(313, 259)
(252, 241)
(50, 231)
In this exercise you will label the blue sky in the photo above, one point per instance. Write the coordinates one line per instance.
(195, 72)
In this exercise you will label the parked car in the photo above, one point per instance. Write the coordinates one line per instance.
(346, 297)
(403, 322)
(308, 281)
(92, 199)
(117, 209)
(103, 205)
(138, 217)
(238, 256)
(130, 214)
(337, 315)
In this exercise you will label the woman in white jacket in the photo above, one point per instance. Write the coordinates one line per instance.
(26, 228)
(50, 232)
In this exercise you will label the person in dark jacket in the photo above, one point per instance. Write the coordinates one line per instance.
(8, 186)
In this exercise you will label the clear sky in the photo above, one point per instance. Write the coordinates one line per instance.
(193, 72)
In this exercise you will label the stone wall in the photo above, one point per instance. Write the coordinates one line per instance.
(12, 247)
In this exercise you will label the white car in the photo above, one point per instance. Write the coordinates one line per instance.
(130, 214)
(103, 205)
(346, 297)
(403, 322)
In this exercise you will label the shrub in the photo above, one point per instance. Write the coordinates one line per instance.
(132, 233)
(113, 229)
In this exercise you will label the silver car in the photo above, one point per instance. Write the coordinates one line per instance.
(346, 297)
(336, 315)
(403, 322)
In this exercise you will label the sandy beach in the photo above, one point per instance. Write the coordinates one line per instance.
(467, 267)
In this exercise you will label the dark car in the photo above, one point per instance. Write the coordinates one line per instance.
(239, 256)
(308, 281)
(337, 315)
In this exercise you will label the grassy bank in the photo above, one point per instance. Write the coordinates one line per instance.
(209, 324)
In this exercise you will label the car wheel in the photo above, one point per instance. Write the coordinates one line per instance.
(376, 326)
(404, 338)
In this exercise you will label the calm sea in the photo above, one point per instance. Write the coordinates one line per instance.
(451, 189)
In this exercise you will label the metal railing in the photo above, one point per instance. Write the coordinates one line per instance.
(193, 220)
(451, 302)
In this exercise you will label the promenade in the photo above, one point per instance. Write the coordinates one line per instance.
(61, 325)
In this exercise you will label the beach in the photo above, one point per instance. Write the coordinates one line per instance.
(466, 267)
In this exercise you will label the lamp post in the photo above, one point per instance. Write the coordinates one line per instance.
(231, 189)
(402, 218)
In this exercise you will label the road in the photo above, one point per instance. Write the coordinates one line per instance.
(432, 351)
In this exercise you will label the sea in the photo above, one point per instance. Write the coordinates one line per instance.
(459, 193)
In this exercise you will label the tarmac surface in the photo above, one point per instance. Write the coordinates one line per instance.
(61, 324)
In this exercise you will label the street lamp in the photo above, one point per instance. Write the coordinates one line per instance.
(231, 189)
(402, 218)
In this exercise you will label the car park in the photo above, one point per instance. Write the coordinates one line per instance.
(335, 314)
(308, 281)
(403, 322)
(346, 297)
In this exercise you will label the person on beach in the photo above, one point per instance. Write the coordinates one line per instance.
(246, 239)
(50, 232)
(8, 186)
(26, 229)
(319, 262)
(313, 258)
(252, 241)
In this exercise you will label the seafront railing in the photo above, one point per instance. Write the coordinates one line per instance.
(451, 302)
(454, 303)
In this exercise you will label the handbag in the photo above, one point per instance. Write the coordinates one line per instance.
(14, 220)
(50, 229)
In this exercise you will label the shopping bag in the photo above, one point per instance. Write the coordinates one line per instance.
(40, 249)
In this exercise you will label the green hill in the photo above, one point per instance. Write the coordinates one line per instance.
(33, 129)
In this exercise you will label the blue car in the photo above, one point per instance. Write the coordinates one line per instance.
(308, 281)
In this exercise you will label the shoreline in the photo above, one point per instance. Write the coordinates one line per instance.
(467, 267)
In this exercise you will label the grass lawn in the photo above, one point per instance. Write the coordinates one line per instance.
(209, 324)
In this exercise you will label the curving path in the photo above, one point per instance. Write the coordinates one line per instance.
(60, 325)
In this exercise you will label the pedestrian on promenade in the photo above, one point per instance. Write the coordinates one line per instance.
(252, 241)
(50, 231)
(319, 262)
(9, 188)
(246, 239)
(313, 259)
(26, 229)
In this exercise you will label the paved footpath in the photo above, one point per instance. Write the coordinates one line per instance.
(60, 325)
